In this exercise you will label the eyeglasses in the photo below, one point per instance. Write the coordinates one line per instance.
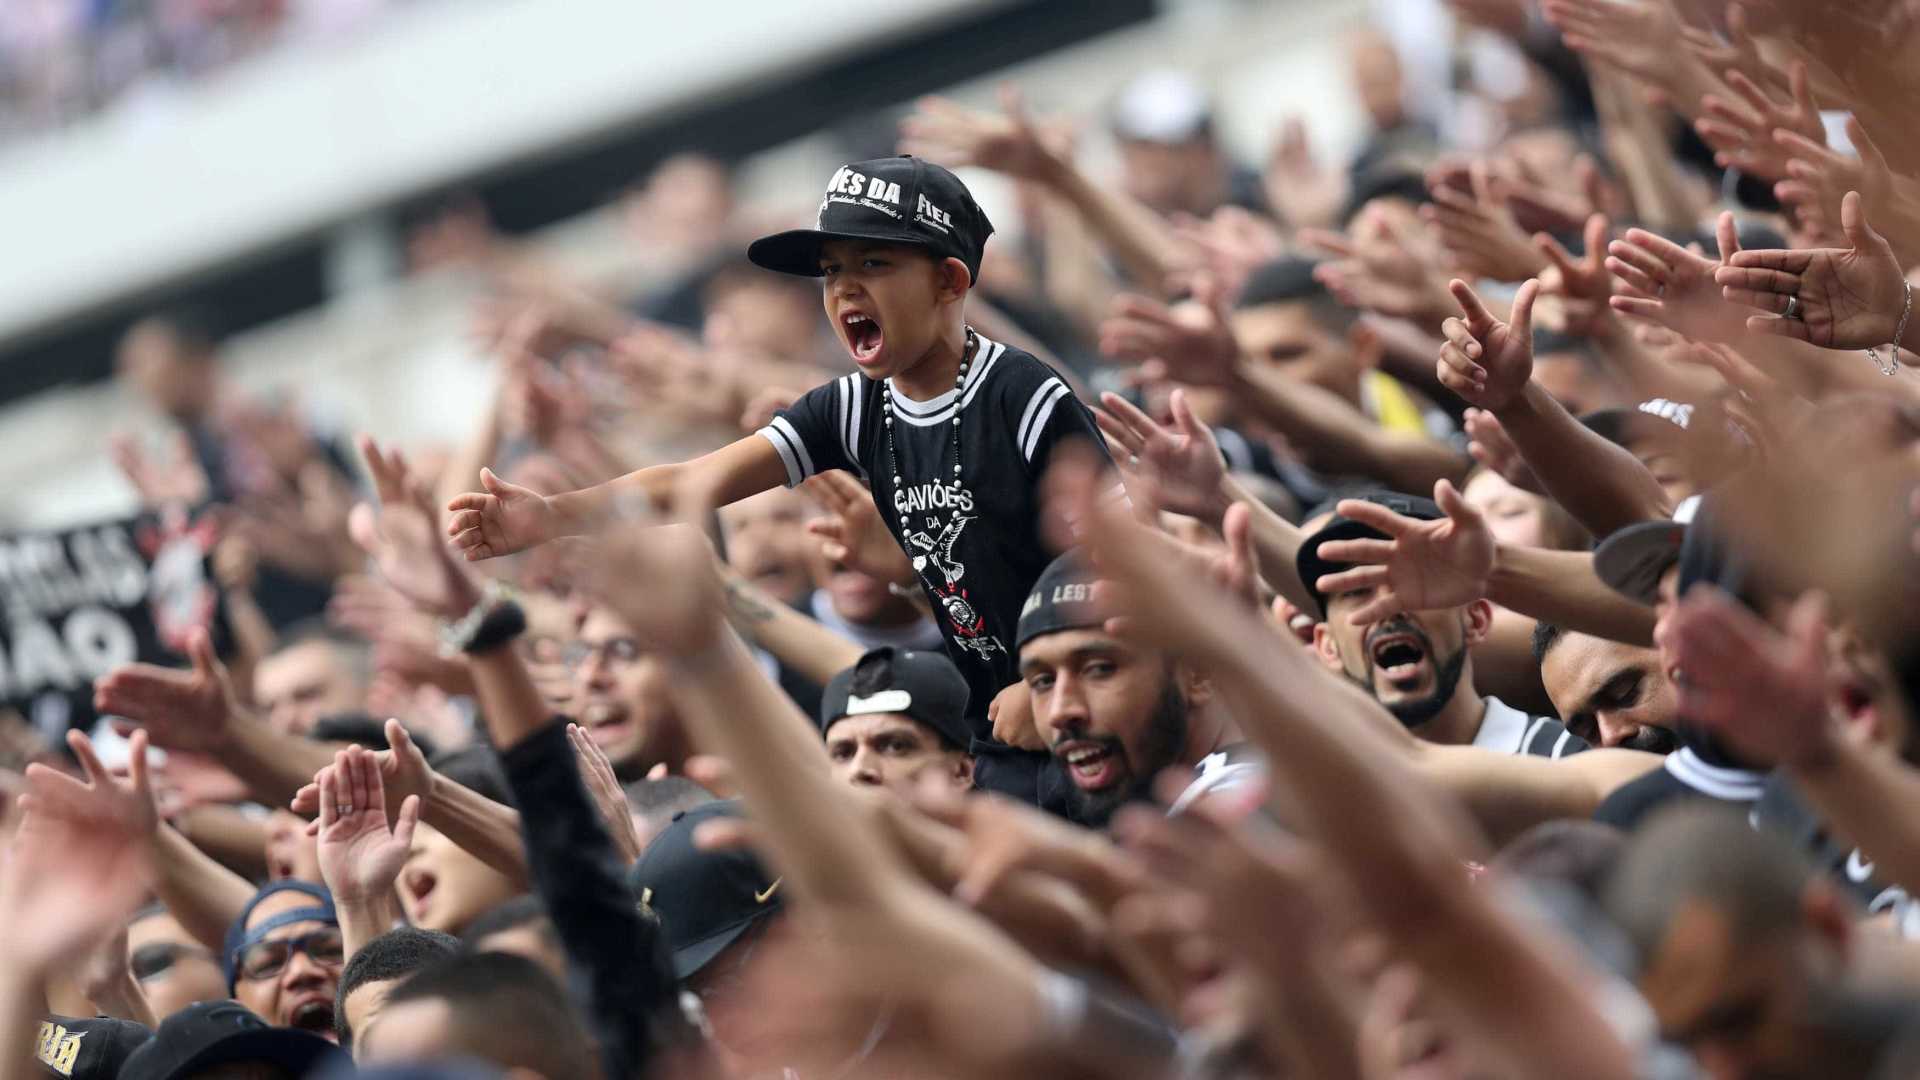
(152, 961)
(266, 959)
(617, 652)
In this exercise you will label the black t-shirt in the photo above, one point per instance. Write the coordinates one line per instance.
(976, 560)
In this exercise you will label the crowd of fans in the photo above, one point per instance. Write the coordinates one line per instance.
(1446, 614)
(61, 60)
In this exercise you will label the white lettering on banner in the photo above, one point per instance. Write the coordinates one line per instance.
(1076, 593)
(41, 576)
(91, 642)
(922, 497)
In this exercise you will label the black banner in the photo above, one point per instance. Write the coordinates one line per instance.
(82, 601)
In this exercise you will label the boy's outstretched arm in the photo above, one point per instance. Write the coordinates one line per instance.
(503, 518)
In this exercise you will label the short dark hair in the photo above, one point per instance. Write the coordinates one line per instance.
(507, 1010)
(1545, 637)
(354, 650)
(523, 910)
(395, 954)
(1706, 853)
(1577, 854)
(476, 768)
(1289, 280)
(666, 795)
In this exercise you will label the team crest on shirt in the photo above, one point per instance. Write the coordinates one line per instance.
(969, 628)
(936, 552)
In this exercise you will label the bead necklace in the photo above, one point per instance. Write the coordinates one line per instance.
(967, 358)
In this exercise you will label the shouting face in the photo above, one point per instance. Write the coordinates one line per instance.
(885, 302)
(1411, 663)
(1112, 716)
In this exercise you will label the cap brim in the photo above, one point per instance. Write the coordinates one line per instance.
(1312, 567)
(797, 251)
(689, 959)
(299, 1051)
(1632, 560)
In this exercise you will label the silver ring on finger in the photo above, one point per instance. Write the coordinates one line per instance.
(1793, 307)
(342, 810)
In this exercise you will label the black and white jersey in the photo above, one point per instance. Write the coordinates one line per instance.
(1685, 776)
(1781, 811)
(1230, 768)
(1510, 731)
(976, 560)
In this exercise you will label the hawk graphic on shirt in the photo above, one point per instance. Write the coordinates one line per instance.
(939, 551)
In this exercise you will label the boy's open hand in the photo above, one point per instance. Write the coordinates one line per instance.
(501, 520)
(1484, 360)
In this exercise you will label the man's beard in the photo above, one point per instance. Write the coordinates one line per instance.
(1446, 676)
(1166, 734)
(1653, 740)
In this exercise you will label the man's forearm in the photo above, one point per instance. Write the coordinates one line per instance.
(205, 896)
(362, 920)
(479, 826)
(1601, 484)
(1276, 541)
(820, 841)
(800, 644)
(1134, 236)
(1560, 587)
(1336, 438)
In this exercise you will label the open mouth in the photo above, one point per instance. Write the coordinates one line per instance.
(315, 1015)
(864, 336)
(1399, 656)
(606, 722)
(1855, 700)
(1094, 766)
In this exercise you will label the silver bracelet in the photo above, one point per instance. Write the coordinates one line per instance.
(1892, 363)
(457, 634)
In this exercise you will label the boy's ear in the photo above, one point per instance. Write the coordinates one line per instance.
(955, 278)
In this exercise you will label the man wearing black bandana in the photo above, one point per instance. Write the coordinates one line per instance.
(1115, 714)
(1417, 663)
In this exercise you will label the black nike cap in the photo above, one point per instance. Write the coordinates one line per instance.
(1311, 567)
(705, 899)
(895, 200)
(924, 686)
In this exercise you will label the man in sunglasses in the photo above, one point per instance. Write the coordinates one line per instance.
(284, 954)
(173, 970)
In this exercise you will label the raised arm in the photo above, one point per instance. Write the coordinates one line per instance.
(1490, 364)
(504, 518)
(1011, 143)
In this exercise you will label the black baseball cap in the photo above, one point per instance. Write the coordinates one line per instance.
(1632, 560)
(922, 685)
(705, 899)
(211, 1033)
(91, 1048)
(1311, 567)
(895, 200)
(1656, 419)
(1062, 599)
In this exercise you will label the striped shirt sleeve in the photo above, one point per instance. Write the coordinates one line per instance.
(1048, 414)
(820, 431)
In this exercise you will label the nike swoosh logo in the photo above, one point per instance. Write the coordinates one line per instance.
(763, 897)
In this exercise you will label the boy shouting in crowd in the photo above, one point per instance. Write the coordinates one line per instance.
(950, 431)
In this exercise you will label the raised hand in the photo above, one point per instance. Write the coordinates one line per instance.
(1583, 285)
(182, 710)
(1635, 36)
(1193, 338)
(1673, 287)
(501, 520)
(1484, 360)
(596, 772)
(1010, 143)
(1489, 444)
(69, 879)
(125, 804)
(404, 772)
(1387, 267)
(360, 854)
(1742, 133)
(174, 476)
(662, 580)
(398, 535)
(1301, 187)
(1738, 51)
(1847, 298)
(852, 533)
(1180, 469)
(1766, 692)
(1426, 565)
(1480, 231)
